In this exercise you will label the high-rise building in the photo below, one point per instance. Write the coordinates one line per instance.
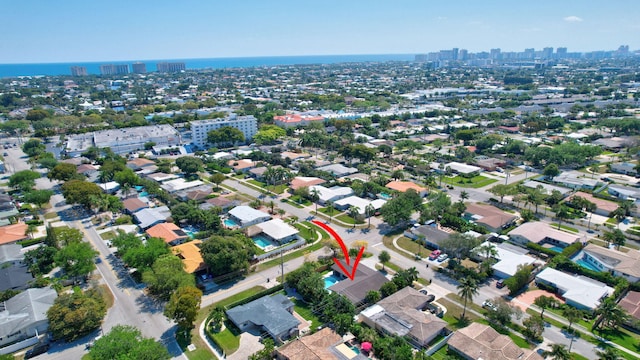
(455, 52)
(114, 69)
(561, 52)
(170, 67)
(199, 128)
(463, 54)
(547, 53)
(139, 68)
(495, 54)
(78, 71)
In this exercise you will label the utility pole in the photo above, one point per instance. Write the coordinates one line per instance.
(282, 267)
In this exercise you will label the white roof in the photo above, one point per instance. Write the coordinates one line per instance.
(578, 289)
(247, 214)
(360, 203)
(331, 194)
(508, 261)
(462, 168)
(548, 188)
(338, 169)
(180, 184)
(111, 185)
(277, 229)
(150, 216)
(222, 155)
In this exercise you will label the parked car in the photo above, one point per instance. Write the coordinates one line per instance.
(434, 254)
(430, 298)
(489, 305)
(500, 284)
(39, 349)
(443, 257)
(423, 291)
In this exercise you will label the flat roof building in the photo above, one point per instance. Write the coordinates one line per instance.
(200, 128)
(114, 69)
(170, 66)
(122, 141)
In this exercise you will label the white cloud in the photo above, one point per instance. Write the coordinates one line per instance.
(572, 18)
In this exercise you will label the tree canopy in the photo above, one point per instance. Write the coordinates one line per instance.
(75, 315)
(167, 275)
(76, 259)
(189, 164)
(80, 192)
(227, 254)
(225, 135)
(183, 306)
(125, 342)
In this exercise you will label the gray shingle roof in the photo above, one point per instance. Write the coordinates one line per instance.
(268, 311)
(25, 309)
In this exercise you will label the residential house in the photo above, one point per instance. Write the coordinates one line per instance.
(87, 170)
(7, 209)
(13, 233)
(169, 232)
(401, 314)
(161, 177)
(508, 258)
(631, 303)
(464, 170)
(258, 172)
(360, 203)
(294, 156)
(110, 187)
(175, 185)
(624, 192)
(25, 315)
(198, 193)
(576, 180)
(139, 163)
(626, 168)
(603, 207)
(479, 341)
(547, 189)
(133, 204)
(578, 291)
(338, 170)
(242, 165)
(365, 280)
(294, 120)
(305, 181)
(618, 263)
(403, 186)
(146, 218)
(490, 217)
(277, 231)
(14, 273)
(332, 194)
(431, 234)
(543, 233)
(246, 216)
(316, 346)
(270, 314)
(489, 164)
(189, 253)
(221, 202)
(616, 143)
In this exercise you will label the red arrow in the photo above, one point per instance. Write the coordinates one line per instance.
(350, 274)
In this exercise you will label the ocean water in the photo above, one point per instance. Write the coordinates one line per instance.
(93, 68)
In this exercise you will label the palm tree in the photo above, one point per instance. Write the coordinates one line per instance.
(354, 211)
(544, 302)
(369, 211)
(315, 197)
(615, 237)
(467, 289)
(384, 257)
(619, 214)
(464, 195)
(611, 314)
(561, 213)
(330, 209)
(608, 354)
(572, 315)
(558, 352)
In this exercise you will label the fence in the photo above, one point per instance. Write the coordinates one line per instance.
(432, 350)
(299, 243)
(18, 346)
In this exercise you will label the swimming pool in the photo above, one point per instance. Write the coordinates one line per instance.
(355, 349)
(138, 187)
(384, 196)
(557, 249)
(144, 194)
(230, 223)
(261, 242)
(330, 280)
(586, 265)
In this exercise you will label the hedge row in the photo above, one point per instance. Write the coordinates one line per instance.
(249, 299)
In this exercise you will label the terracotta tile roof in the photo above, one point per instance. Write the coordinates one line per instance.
(602, 204)
(311, 347)
(241, 164)
(491, 215)
(190, 254)
(12, 233)
(302, 181)
(169, 232)
(134, 204)
(140, 162)
(83, 168)
(403, 186)
(631, 303)
(478, 341)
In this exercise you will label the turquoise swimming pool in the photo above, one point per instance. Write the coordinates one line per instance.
(261, 241)
(330, 280)
(230, 223)
(557, 249)
(144, 194)
(586, 265)
(385, 196)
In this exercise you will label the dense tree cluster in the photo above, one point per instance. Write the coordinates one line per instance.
(227, 254)
(74, 315)
(124, 342)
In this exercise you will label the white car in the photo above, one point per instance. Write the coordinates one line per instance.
(443, 257)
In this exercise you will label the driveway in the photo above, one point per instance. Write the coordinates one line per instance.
(523, 301)
(249, 344)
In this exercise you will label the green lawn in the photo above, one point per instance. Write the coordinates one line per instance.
(278, 189)
(51, 215)
(348, 219)
(621, 337)
(303, 310)
(287, 257)
(565, 227)
(107, 235)
(227, 341)
(452, 317)
(474, 182)
(413, 246)
(325, 210)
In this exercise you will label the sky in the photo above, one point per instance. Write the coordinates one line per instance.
(44, 31)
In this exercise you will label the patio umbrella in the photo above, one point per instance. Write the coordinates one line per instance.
(366, 346)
